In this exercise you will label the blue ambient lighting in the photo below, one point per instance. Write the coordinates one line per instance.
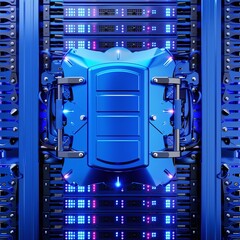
(167, 203)
(168, 12)
(70, 219)
(168, 188)
(168, 219)
(167, 235)
(67, 111)
(168, 28)
(118, 183)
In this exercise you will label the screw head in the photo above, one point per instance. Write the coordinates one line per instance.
(14, 112)
(155, 154)
(226, 98)
(81, 154)
(83, 117)
(226, 80)
(154, 117)
(225, 129)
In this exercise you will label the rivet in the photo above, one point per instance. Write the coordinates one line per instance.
(225, 129)
(80, 154)
(13, 98)
(226, 98)
(226, 80)
(83, 117)
(14, 112)
(154, 117)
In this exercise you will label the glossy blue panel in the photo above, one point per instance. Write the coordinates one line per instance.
(118, 151)
(117, 125)
(118, 103)
(211, 120)
(117, 80)
(28, 119)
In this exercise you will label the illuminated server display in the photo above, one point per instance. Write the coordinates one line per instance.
(119, 120)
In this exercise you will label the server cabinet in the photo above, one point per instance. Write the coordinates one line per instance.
(119, 120)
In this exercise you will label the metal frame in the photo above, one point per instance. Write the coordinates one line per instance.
(211, 120)
(28, 117)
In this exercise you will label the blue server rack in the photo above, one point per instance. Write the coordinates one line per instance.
(119, 120)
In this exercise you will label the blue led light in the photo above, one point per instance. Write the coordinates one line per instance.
(167, 219)
(154, 219)
(70, 28)
(154, 11)
(69, 44)
(81, 203)
(70, 203)
(168, 28)
(118, 183)
(70, 235)
(81, 12)
(70, 12)
(81, 28)
(168, 12)
(81, 44)
(154, 44)
(81, 235)
(154, 203)
(69, 219)
(167, 203)
(154, 234)
(65, 111)
(69, 188)
(167, 235)
(168, 188)
(168, 44)
(81, 219)
(81, 189)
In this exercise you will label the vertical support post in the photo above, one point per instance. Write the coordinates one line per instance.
(177, 124)
(28, 118)
(59, 118)
(211, 120)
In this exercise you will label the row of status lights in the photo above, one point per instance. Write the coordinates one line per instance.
(94, 44)
(118, 11)
(87, 28)
(92, 203)
(170, 188)
(92, 235)
(92, 219)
